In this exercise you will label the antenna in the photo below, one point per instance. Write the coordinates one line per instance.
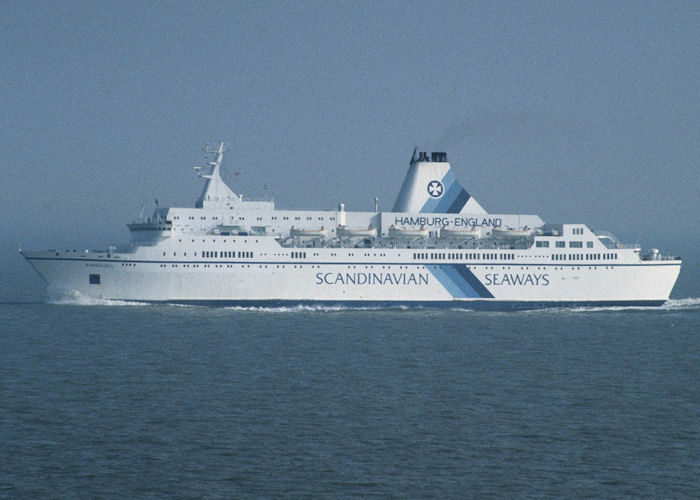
(219, 151)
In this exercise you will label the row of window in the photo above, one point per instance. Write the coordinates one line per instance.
(177, 217)
(562, 244)
(332, 218)
(207, 254)
(298, 255)
(586, 256)
(242, 218)
(462, 256)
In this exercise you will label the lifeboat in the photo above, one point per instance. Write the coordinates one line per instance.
(407, 234)
(347, 232)
(307, 233)
(150, 226)
(151, 231)
(460, 234)
(511, 233)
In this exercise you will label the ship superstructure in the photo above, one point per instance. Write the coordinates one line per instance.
(437, 247)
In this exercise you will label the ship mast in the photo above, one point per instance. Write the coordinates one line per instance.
(215, 191)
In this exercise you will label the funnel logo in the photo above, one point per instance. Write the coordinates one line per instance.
(435, 189)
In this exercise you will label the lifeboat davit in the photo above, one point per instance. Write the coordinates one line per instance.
(347, 232)
(408, 234)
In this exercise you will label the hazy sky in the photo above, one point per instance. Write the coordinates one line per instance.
(576, 111)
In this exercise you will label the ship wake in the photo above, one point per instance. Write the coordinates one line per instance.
(74, 298)
(684, 304)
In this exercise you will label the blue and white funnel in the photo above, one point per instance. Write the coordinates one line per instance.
(431, 187)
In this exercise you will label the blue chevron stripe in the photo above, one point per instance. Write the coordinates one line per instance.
(464, 286)
(453, 199)
(445, 280)
(449, 197)
(473, 281)
(459, 203)
(448, 181)
(459, 281)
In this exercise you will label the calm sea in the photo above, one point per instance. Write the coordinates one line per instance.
(149, 401)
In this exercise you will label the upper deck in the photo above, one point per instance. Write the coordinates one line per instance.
(432, 211)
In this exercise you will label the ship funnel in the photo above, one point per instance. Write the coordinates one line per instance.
(430, 186)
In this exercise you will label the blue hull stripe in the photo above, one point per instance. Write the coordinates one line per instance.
(473, 281)
(459, 281)
(465, 287)
(454, 288)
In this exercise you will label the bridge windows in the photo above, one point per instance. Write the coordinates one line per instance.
(542, 244)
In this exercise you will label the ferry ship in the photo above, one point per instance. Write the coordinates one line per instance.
(436, 247)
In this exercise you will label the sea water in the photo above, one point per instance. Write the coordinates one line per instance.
(111, 399)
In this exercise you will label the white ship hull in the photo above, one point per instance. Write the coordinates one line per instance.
(229, 251)
(387, 280)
